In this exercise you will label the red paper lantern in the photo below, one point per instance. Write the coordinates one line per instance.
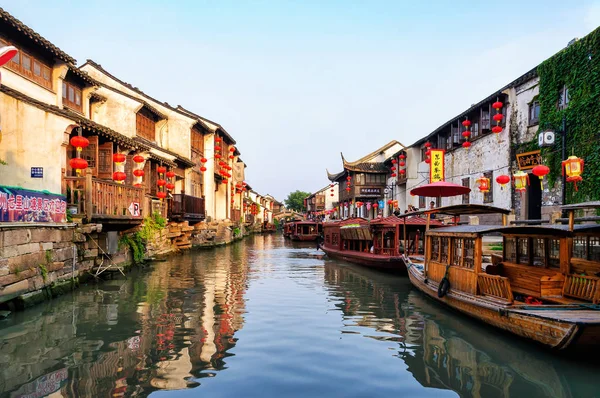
(138, 173)
(390, 201)
(119, 158)
(466, 144)
(402, 171)
(79, 142)
(347, 189)
(161, 169)
(394, 174)
(394, 161)
(170, 174)
(428, 152)
(402, 164)
(428, 160)
(402, 157)
(161, 183)
(161, 194)
(375, 205)
(170, 186)
(497, 105)
(348, 178)
(217, 156)
(393, 168)
(232, 149)
(466, 123)
(573, 167)
(231, 157)
(502, 180)
(330, 194)
(428, 144)
(203, 169)
(541, 171)
(78, 164)
(218, 139)
(119, 176)
(203, 160)
(498, 117)
(224, 181)
(217, 148)
(484, 184)
(137, 185)
(466, 134)
(496, 129)
(138, 159)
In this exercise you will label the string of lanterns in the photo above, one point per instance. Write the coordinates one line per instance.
(393, 168)
(78, 163)
(348, 183)
(331, 190)
(138, 171)
(119, 160)
(497, 129)
(466, 134)
(402, 165)
(161, 182)
(428, 152)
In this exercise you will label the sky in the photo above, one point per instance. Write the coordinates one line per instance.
(297, 82)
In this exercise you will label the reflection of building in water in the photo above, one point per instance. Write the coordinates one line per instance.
(158, 330)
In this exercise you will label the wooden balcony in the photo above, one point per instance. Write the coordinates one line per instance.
(187, 207)
(104, 200)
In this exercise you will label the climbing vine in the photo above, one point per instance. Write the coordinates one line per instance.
(577, 69)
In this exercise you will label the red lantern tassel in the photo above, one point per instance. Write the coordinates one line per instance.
(575, 184)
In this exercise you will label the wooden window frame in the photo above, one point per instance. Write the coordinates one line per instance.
(422, 202)
(66, 87)
(145, 125)
(17, 67)
(466, 196)
(533, 120)
(488, 197)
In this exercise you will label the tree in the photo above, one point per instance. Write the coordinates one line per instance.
(295, 201)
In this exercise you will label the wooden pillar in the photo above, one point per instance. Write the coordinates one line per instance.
(571, 220)
(404, 237)
(504, 220)
(89, 207)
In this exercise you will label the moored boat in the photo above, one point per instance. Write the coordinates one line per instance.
(539, 288)
(377, 244)
(306, 230)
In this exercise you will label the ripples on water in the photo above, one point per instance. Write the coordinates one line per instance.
(268, 317)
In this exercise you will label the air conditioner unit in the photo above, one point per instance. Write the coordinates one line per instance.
(546, 138)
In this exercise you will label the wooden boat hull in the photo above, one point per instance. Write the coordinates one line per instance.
(367, 259)
(561, 329)
(305, 238)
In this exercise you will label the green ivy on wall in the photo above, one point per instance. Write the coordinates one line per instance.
(576, 68)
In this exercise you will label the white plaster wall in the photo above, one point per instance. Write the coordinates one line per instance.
(417, 173)
(118, 112)
(330, 200)
(34, 90)
(520, 98)
(31, 138)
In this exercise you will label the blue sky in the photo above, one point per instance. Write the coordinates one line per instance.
(298, 82)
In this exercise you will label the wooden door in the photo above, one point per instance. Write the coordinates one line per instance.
(105, 165)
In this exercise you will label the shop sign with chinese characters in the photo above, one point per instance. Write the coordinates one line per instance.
(528, 160)
(437, 166)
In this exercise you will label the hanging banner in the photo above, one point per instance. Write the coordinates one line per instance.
(437, 166)
(24, 205)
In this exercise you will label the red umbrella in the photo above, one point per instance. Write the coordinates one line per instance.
(440, 188)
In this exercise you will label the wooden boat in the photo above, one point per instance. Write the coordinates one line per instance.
(269, 228)
(287, 229)
(537, 289)
(352, 240)
(306, 230)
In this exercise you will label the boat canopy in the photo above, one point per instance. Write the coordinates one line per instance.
(415, 220)
(584, 205)
(530, 230)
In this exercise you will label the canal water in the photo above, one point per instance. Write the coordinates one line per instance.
(267, 317)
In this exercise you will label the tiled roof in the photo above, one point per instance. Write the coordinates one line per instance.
(204, 120)
(393, 220)
(379, 167)
(336, 176)
(372, 155)
(83, 75)
(151, 144)
(36, 37)
(76, 118)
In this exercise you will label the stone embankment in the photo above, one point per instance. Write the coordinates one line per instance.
(38, 262)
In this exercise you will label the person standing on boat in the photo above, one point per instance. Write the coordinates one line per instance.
(431, 207)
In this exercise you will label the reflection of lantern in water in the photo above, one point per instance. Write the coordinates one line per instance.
(573, 168)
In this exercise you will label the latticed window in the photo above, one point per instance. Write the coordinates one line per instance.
(469, 253)
(30, 67)
(197, 141)
(435, 248)
(444, 250)
(523, 251)
(580, 247)
(554, 253)
(510, 249)
(335, 238)
(539, 252)
(71, 96)
(458, 252)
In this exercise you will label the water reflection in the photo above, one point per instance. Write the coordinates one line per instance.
(447, 351)
(308, 326)
(164, 328)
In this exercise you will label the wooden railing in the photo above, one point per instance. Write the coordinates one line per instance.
(187, 207)
(114, 200)
(495, 286)
(582, 287)
(98, 199)
(386, 251)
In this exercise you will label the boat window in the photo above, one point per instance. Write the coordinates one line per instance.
(457, 252)
(539, 252)
(327, 238)
(334, 238)
(435, 249)
(469, 253)
(594, 248)
(523, 251)
(445, 248)
(553, 253)
(510, 249)
(580, 247)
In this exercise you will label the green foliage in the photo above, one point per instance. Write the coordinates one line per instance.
(577, 67)
(43, 271)
(295, 201)
(276, 223)
(236, 232)
(137, 241)
(496, 248)
(3, 163)
(48, 256)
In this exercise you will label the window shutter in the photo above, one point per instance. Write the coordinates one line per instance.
(105, 165)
